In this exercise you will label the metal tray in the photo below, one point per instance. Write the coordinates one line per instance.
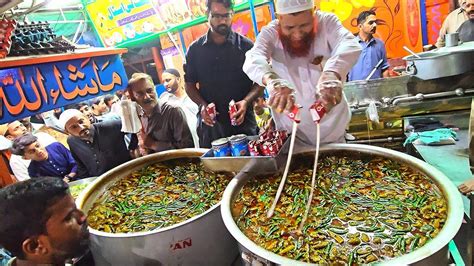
(247, 164)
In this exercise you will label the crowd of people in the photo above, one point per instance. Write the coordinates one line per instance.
(291, 57)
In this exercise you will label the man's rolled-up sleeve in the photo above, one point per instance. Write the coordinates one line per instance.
(257, 59)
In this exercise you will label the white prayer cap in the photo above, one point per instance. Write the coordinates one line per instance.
(5, 143)
(293, 6)
(67, 115)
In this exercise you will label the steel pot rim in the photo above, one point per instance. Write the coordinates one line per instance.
(451, 227)
(107, 177)
(429, 56)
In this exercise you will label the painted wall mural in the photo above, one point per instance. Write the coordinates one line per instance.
(436, 12)
(399, 21)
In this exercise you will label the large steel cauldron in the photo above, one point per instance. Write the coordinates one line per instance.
(432, 65)
(435, 252)
(201, 240)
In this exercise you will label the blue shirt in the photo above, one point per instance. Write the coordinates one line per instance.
(371, 54)
(59, 163)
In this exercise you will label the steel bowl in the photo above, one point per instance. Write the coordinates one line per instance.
(201, 240)
(434, 252)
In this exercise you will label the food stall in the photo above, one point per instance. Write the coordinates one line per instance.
(192, 207)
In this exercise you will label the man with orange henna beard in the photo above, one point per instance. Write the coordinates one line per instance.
(294, 54)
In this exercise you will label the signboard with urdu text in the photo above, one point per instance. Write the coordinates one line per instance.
(34, 89)
(118, 22)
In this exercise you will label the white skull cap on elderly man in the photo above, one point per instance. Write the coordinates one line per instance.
(293, 6)
(67, 115)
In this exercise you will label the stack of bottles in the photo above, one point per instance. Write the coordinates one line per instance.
(7, 27)
(35, 38)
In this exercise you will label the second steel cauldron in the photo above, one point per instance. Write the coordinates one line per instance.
(201, 240)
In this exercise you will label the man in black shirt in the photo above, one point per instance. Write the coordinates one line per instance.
(215, 61)
(98, 147)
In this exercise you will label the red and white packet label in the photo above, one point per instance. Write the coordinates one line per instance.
(317, 111)
(211, 110)
(232, 111)
(294, 113)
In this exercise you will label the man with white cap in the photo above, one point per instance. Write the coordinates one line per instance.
(96, 148)
(293, 55)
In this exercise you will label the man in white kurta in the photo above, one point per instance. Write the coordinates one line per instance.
(175, 94)
(331, 54)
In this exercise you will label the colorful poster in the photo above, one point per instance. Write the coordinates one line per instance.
(197, 7)
(399, 22)
(33, 89)
(173, 12)
(169, 55)
(120, 22)
(242, 22)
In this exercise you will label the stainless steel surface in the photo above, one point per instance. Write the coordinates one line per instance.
(432, 65)
(267, 164)
(451, 39)
(201, 240)
(404, 96)
(435, 252)
(374, 141)
(364, 91)
(411, 95)
(451, 160)
(387, 90)
(436, 95)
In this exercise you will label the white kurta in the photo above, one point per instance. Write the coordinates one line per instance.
(339, 51)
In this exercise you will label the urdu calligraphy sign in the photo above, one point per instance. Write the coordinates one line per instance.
(34, 89)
